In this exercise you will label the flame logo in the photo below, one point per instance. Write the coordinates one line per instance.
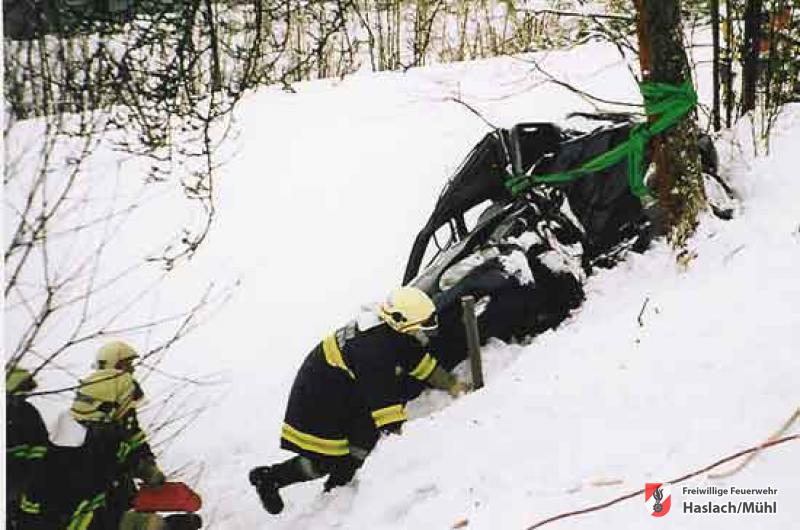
(658, 495)
(657, 498)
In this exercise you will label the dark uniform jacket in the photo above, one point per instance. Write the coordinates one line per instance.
(93, 483)
(349, 388)
(27, 445)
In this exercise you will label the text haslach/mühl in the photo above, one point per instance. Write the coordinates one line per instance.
(731, 507)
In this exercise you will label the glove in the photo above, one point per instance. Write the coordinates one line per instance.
(151, 474)
(156, 478)
(392, 428)
(458, 388)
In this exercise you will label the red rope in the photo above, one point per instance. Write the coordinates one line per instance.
(675, 481)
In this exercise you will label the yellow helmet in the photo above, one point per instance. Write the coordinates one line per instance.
(408, 310)
(19, 380)
(106, 395)
(113, 352)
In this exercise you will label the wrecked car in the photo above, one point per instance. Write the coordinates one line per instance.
(524, 257)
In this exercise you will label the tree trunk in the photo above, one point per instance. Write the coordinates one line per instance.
(211, 25)
(715, 65)
(679, 184)
(729, 47)
(752, 42)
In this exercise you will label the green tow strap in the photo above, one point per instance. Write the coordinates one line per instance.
(670, 103)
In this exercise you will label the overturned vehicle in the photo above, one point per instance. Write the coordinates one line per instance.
(525, 256)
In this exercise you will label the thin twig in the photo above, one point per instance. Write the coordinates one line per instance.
(625, 497)
(174, 377)
(780, 432)
(582, 93)
(732, 253)
(639, 318)
(473, 110)
(559, 13)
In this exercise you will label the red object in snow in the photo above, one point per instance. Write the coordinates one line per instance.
(171, 497)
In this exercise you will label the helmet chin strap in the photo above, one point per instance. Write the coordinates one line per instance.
(420, 335)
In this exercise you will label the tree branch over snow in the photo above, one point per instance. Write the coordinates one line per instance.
(590, 98)
(576, 14)
(692, 474)
(473, 110)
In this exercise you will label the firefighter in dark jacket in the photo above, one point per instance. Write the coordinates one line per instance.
(27, 443)
(117, 446)
(349, 390)
(94, 485)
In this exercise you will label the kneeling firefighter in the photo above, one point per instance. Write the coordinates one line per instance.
(95, 485)
(349, 390)
(106, 405)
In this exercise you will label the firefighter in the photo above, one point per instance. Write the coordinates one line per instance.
(349, 390)
(27, 443)
(95, 480)
(105, 404)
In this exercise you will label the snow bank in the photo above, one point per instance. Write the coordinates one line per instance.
(712, 368)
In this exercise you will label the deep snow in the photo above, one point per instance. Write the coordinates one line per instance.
(317, 209)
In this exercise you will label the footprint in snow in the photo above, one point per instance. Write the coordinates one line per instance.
(419, 495)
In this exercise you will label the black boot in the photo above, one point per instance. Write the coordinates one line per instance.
(183, 521)
(269, 479)
(267, 487)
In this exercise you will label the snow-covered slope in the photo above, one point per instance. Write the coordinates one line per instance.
(713, 368)
(317, 210)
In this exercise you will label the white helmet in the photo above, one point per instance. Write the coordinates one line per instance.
(112, 353)
(408, 310)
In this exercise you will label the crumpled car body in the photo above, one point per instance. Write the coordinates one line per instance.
(525, 258)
